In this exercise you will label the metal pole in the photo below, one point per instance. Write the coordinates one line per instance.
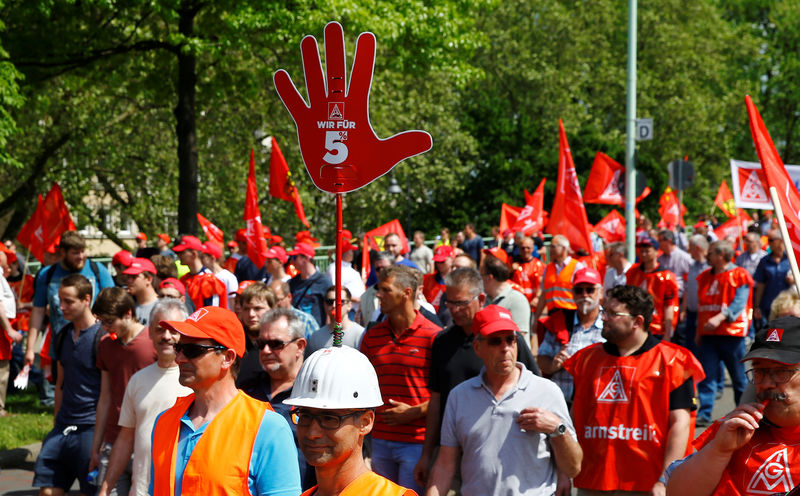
(337, 325)
(630, 141)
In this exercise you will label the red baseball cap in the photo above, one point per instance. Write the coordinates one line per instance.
(213, 249)
(346, 234)
(139, 265)
(278, 253)
(219, 324)
(347, 245)
(188, 243)
(171, 282)
(241, 235)
(165, 238)
(303, 249)
(442, 253)
(493, 318)
(11, 257)
(122, 257)
(498, 253)
(242, 286)
(142, 236)
(587, 275)
(233, 244)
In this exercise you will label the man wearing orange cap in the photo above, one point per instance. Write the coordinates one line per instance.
(139, 277)
(141, 245)
(512, 428)
(276, 260)
(163, 243)
(433, 286)
(309, 285)
(193, 448)
(662, 285)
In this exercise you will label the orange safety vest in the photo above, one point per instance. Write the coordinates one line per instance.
(432, 290)
(662, 285)
(715, 291)
(370, 484)
(558, 286)
(528, 277)
(621, 412)
(229, 437)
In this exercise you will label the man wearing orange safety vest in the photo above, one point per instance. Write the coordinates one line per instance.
(335, 395)
(219, 441)
(662, 285)
(557, 282)
(632, 400)
(724, 298)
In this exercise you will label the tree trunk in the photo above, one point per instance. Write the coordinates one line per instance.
(186, 128)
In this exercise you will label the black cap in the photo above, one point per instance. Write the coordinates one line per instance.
(778, 341)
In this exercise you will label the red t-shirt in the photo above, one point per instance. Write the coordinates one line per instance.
(662, 285)
(121, 361)
(403, 365)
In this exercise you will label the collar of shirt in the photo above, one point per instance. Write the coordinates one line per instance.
(563, 264)
(597, 324)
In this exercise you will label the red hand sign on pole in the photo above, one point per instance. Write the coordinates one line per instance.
(340, 150)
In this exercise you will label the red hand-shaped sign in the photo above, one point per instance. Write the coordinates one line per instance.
(341, 151)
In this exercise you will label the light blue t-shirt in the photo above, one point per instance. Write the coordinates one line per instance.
(271, 473)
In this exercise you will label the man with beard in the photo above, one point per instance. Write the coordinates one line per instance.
(633, 395)
(72, 249)
(255, 301)
(571, 330)
(753, 450)
(203, 426)
(150, 391)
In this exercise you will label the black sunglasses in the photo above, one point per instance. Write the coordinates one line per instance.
(274, 344)
(194, 350)
(497, 340)
(582, 291)
(333, 302)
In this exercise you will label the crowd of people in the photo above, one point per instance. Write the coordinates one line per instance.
(505, 365)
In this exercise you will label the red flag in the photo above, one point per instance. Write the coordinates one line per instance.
(31, 236)
(508, 215)
(611, 227)
(531, 219)
(49, 221)
(725, 201)
(212, 232)
(375, 236)
(256, 244)
(735, 227)
(776, 175)
(568, 215)
(281, 185)
(670, 209)
(603, 183)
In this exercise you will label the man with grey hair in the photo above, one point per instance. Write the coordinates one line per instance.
(558, 279)
(749, 258)
(149, 392)
(617, 265)
(673, 258)
(281, 344)
(687, 329)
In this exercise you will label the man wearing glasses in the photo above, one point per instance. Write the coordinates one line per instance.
(334, 400)
(219, 440)
(633, 395)
(567, 331)
(754, 449)
(351, 332)
(511, 428)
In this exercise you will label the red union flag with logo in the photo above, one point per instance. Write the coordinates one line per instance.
(256, 244)
(611, 227)
(212, 232)
(508, 216)
(776, 175)
(341, 151)
(604, 180)
(531, 219)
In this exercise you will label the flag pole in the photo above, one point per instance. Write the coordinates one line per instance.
(787, 241)
(337, 326)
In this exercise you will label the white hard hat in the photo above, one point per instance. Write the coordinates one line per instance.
(334, 378)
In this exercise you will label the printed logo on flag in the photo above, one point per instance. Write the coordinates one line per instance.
(753, 190)
(612, 189)
(336, 111)
(616, 384)
(714, 289)
(773, 476)
(775, 335)
(199, 314)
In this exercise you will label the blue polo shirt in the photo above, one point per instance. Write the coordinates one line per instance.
(773, 276)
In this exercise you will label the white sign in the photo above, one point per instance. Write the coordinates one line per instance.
(749, 184)
(644, 129)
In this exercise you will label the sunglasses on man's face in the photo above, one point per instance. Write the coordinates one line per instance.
(274, 344)
(498, 340)
(331, 301)
(584, 290)
(194, 350)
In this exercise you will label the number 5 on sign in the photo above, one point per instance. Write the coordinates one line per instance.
(341, 151)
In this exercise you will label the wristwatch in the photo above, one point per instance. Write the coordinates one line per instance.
(561, 429)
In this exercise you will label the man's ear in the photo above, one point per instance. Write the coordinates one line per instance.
(365, 422)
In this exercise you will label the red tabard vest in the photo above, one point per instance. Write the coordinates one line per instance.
(621, 413)
(432, 290)
(768, 464)
(529, 277)
(558, 286)
(716, 290)
(370, 484)
(662, 285)
(220, 462)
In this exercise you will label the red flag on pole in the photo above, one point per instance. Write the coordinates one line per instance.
(776, 175)
(734, 228)
(49, 221)
(604, 180)
(212, 232)
(508, 215)
(670, 209)
(725, 201)
(611, 227)
(531, 219)
(256, 244)
(568, 215)
(31, 236)
(375, 236)
(281, 185)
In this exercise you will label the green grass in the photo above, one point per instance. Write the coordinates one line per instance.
(28, 423)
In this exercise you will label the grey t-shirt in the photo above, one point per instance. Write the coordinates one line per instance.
(323, 338)
(143, 312)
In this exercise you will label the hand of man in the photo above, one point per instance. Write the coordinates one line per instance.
(659, 489)
(421, 470)
(738, 427)
(538, 420)
(399, 413)
(560, 358)
(714, 322)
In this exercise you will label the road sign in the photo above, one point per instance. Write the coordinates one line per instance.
(641, 183)
(644, 129)
(681, 174)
